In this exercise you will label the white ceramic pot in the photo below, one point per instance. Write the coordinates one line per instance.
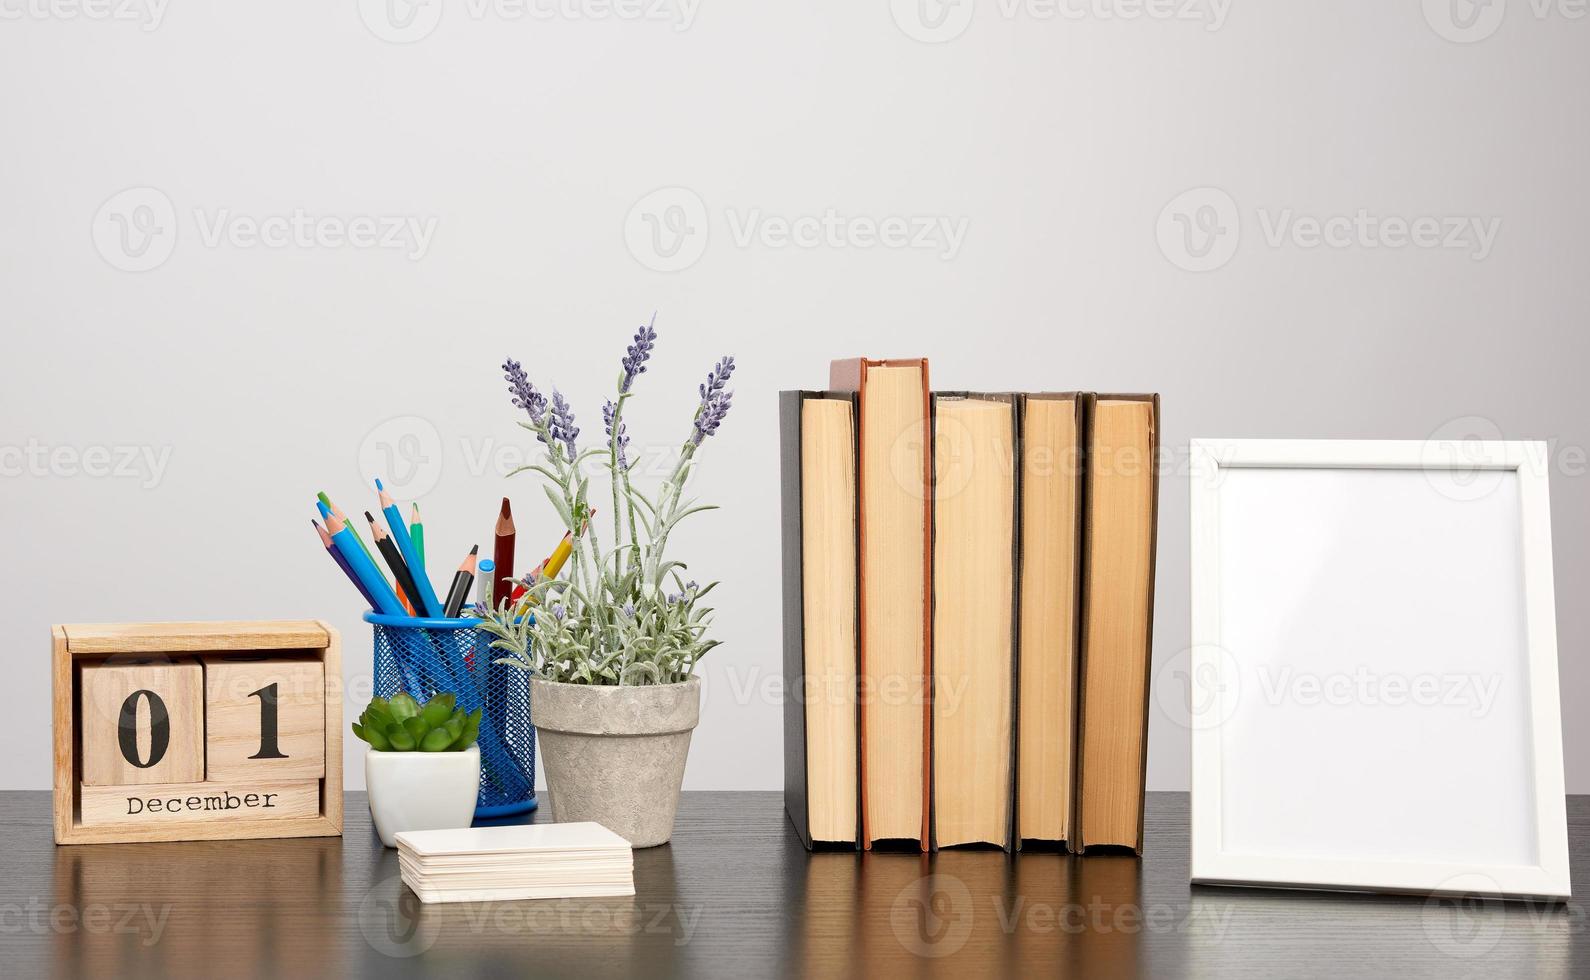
(421, 790)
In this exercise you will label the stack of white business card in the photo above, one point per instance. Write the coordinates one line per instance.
(485, 864)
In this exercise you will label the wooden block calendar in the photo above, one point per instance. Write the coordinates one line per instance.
(197, 731)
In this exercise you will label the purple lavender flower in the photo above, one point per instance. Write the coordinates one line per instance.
(562, 423)
(608, 410)
(717, 379)
(711, 416)
(558, 611)
(629, 610)
(524, 393)
(637, 354)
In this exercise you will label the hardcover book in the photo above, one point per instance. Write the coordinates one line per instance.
(1052, 427)
(821, 754)
(895, 505)
(1121, 514)
(974, 618)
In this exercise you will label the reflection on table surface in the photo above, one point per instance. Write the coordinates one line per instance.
(733, 895)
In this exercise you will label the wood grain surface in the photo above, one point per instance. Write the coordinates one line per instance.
(735, 895)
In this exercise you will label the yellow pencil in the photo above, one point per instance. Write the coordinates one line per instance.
(560, 554)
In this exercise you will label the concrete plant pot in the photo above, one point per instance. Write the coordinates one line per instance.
(616, 755)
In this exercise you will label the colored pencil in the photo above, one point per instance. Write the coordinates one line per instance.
(394, 560)
(425, 602)
(550, 567)
(560, 554)
(502, 553)
(520, 588)
(417, 531)
(327, 505)
(462, 580)
(386, 601)
(331, 549)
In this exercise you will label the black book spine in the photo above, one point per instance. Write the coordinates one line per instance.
(789, 429)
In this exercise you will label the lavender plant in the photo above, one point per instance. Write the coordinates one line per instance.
(626, 615)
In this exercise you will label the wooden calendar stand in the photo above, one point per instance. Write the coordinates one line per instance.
(197, 731)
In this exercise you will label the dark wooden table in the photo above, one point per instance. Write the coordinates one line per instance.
(735, 895)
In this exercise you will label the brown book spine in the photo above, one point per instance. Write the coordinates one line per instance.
(1079, 831)
(1073, 465)
(850, 374)
(1011, 842)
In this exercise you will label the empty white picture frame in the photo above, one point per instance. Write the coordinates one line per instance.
(1373, 669)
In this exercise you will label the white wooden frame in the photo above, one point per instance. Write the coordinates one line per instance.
(1212, 861)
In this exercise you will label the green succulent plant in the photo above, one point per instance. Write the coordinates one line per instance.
(402, 724)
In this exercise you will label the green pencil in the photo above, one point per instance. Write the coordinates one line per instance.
(343, 518)
(417, 532)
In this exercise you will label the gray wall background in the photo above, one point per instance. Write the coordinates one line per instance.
(1131, 192)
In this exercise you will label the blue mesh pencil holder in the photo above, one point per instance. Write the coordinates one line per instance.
(423, 657)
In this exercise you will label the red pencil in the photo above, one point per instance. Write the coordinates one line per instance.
(502, 553)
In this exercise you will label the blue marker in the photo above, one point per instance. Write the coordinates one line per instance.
(483, 583)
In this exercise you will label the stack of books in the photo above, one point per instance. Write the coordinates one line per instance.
(483, 864)
(968, 603)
